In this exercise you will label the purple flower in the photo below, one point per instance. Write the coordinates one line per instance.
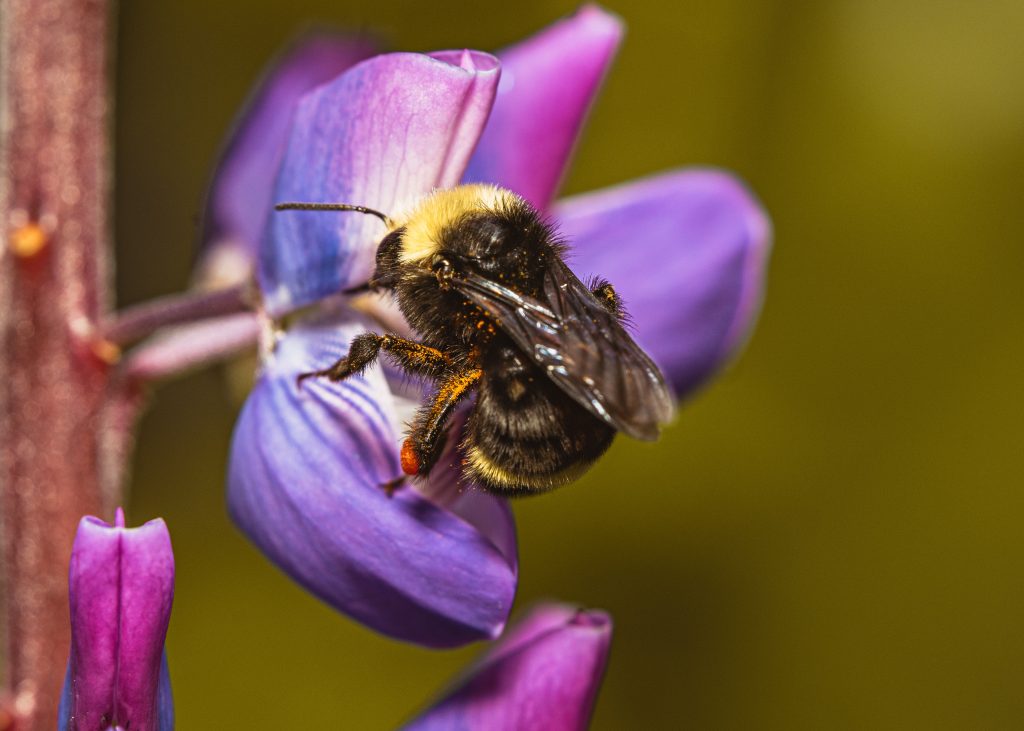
(434, 564)
(543, 675)
(121, 586)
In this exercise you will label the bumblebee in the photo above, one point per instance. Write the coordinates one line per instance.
(480, 278)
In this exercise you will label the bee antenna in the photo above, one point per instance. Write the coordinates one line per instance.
(331, 207)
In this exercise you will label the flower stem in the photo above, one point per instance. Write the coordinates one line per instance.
(135, 323)
(54, 178)
(175, 351)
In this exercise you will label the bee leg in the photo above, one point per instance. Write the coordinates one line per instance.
(416, 357)
(422, 448)
(364, 349)
(607, 296)
(390, 486)
(361, 353)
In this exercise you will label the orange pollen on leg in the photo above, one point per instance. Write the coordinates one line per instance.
(28, 240)
(410, 462)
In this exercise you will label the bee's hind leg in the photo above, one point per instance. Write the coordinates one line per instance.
(422, 448)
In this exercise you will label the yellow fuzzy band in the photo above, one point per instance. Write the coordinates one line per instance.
(426, 221)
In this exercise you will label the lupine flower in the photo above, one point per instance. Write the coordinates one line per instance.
(543, 675)
(687, 250)
(121, 588)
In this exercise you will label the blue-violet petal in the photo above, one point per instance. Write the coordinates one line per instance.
(381, 135)
(305, 484)
(688, 252)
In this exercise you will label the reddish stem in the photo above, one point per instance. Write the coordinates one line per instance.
(54, 177)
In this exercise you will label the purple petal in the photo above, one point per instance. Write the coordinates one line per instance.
(240, 193)
(121, 589)
(548, 83)
(304, 484)
(688, 252)
(381, 135)
(542, 675)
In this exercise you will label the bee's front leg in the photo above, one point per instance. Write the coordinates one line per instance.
(423, 446)
(365, 348)
(361, 352)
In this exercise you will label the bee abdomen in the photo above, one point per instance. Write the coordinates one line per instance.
(526, 437)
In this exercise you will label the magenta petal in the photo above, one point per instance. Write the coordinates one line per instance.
(543, 675)
(548, 83)
(121, 589)
(240, 193)
(485, 71)
(381, 135)
(688, 252)
(304, 484)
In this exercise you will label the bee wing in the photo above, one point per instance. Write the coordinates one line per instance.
(582, 347)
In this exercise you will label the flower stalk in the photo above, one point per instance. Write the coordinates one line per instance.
(54, 184)
(135, 323)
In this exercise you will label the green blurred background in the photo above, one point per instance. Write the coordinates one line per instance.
(830, 536)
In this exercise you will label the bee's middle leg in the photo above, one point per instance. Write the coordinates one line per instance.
(365, 348)
(422, 448)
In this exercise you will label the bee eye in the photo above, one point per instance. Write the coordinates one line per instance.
(439, 262)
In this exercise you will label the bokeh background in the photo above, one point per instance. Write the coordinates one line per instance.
(830, 536)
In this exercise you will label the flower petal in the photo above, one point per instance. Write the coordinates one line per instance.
(547, 86)
(381, 135)
(66, 720)
(688, 252)
(121, 588)
(240, 193)
(447, 487)
(544, 674)
(304, 484)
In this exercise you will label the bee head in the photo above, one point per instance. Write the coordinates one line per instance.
(509, 244)
(474, 228)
